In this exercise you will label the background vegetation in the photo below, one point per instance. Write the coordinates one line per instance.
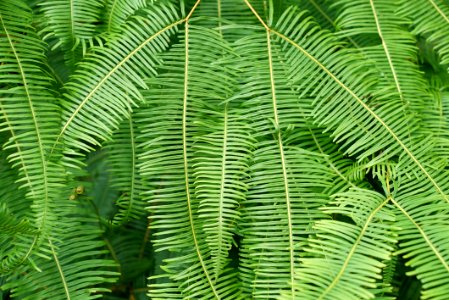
(224, 149)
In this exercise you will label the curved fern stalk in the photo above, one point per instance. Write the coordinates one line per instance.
(285, 191)
(30, 114)
(117, 11)
(76, 268)
(344, 260)
(431, 20)
(395, 54)
(193, 78)
(222, 150)
(342, 98)
(424, 240)
(125, 178)
(107, 82)
(220, 165)
(72, 23)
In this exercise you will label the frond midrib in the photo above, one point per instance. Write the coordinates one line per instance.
(423, 234)
(33, 114)
(61, 273)
(387, 52)
(353, 248)
(440, 12)
(108, 75)
(185, 160)
(360, 101)
(283, 162)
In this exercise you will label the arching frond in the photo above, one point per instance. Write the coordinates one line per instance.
(424, 240)
(288, 184)
(28, 112)
(73, 266)
(395, 55)
(344, 102)
(344, 260)
(224, 149)
(106, 84)
(220, 165)
(278, 180)
(192, 82)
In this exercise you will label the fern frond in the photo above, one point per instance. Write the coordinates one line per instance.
(117, 11)
(341, 85)
(73, 24)
(192, 82)
(220, 165)
(30, 116)
(285, 192)
(278, 180)
(122, 158)
(396, 54)
(431, 20)
(424, 240)
(106, 84)
(344, 260)
(75, 265)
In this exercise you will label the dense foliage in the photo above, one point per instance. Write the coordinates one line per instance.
(234, 149)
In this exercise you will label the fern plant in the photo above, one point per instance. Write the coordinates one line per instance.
(235, 149)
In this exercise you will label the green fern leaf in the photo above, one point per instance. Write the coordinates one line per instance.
(344, 260)
(30, 116)
(191, 82)
(430, 19)
(106, 84)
